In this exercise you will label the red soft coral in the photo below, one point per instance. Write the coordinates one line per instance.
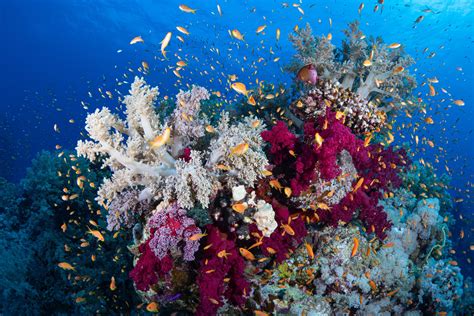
(214, 269)
(149, 268)
(280, 242)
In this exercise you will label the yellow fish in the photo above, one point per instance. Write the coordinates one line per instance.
(236, 34)
(278, 34)
(160, 140)
(240, 149)
(318, 139)
(240, 88)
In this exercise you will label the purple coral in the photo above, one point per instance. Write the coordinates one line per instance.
(171, 226)
(123, 208)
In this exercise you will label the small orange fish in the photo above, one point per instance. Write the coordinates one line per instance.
(240, 149)
(355, 247)
(162, 139)
(394, 45)
(367, 63)
(271, 250)
(373, 286)
(96, 234)
(261, 28)
(186, 9)
(358, 185)
(152, 307)
(236, 34)
(389, 245)
(210, 129)
(197, 236)
(275, 184)
(182, 30)
(113, 286)
(309, 248)
(80, 299)
(429, 120)
(398, 69)
(288, 192)
(239, 87)
(459, 102)
(246, 254)
(432, 90)
(223, 254)
(318, 139)
(214, 301)
(392, 293)
(288, 229)
(251, 100)
(137, 39)
(240, 207)
(66, 266)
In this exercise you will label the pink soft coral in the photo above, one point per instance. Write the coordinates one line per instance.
(171, 227)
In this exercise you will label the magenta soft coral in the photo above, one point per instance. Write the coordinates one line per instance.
(280, 242)
(293, 159)
(221, 260)
(378, 166)
(149, 268)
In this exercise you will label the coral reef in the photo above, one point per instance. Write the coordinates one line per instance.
(317, 214)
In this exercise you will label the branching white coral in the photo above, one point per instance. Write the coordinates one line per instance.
(161, 171)
(245, 168)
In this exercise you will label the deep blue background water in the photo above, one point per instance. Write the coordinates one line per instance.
(54, 52)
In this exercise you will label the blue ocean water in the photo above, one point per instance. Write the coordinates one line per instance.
(57, 54)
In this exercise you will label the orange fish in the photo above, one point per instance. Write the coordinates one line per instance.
(358, 185)
(113, 286)
(66, 266)
(240, 149)
(152, 307)
(96, 234)
(355, 247)
(246, 254)
(240, 207)
(309, 248)
(160, 140)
